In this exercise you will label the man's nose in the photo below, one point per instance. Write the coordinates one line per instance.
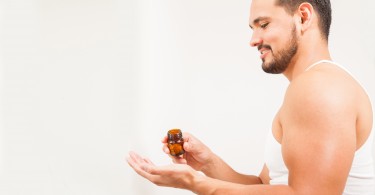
(255, 40)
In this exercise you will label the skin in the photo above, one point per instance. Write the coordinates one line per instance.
(325, 117)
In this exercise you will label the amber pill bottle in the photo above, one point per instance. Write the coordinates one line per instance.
(175, 142)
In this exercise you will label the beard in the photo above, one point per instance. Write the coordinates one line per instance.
(281, 59)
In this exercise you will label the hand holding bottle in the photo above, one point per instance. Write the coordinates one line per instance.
(197, 155)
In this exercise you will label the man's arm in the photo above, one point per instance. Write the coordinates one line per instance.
(185, 177)
(222, 171)
(201, 158)
(318, 120)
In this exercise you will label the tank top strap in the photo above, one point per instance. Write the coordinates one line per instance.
(334, 63)
(321, 61)
(343, 68)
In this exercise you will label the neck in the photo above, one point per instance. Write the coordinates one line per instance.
(306, 56)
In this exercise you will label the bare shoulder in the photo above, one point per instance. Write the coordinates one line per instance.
(324, 88)
(325, 100)
(319, 118)
(327, 97)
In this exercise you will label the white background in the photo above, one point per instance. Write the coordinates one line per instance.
(82, 82)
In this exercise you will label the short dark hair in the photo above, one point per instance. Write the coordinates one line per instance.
(322, 7)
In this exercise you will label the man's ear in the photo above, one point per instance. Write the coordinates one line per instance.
(305, 15)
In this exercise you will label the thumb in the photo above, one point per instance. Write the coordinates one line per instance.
(187, 146)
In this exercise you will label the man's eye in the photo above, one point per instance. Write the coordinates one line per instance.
(264, 25)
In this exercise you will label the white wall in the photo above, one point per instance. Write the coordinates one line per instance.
(83, 82)
(69, 95)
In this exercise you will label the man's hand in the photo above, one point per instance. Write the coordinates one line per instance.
(197, 155)
(184, 177)
(174, 175)
(201, 158)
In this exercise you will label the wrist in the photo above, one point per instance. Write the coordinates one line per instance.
(201, 185)
(211, 165)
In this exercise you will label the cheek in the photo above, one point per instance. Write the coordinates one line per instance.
(272, 37)
(277, 39)
(281, 35)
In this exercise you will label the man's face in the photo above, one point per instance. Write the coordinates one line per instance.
(274, 35)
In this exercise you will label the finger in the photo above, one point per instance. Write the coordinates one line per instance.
(139, 160)
(166, 149)
(189, 142)
(133, 164)
(135, 157)
(186, 136)
(188, 147)
(165, 139)
(150, 169)
(147, 160)
(179, 160)
(140, 168)
(157, 170)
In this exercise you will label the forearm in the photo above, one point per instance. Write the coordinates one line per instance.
(220, 170)
(209, 186)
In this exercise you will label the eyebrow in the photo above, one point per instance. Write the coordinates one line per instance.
(258, 19)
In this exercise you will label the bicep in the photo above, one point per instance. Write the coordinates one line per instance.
(317, 164)
(318, 144)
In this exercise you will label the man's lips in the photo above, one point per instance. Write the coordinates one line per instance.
(264, 53)
(264, 50)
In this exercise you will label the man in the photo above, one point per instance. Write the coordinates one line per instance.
(321, 138)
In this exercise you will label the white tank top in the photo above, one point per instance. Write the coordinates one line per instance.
(361, 179)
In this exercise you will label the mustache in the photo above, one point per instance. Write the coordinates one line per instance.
(264, 46)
